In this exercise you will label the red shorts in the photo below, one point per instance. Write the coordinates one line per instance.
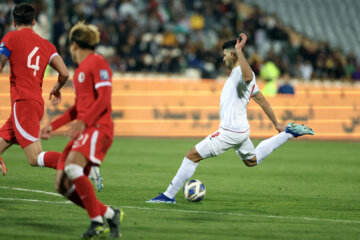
(23, 125)
(92, 143)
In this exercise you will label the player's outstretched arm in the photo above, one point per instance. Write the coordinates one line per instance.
(266, 107)
(46, 131)
(58, 64)
(244, 65)
(67, 117)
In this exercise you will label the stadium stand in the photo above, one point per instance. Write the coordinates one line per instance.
(185, 37)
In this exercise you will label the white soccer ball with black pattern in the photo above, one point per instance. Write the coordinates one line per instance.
(194, 191)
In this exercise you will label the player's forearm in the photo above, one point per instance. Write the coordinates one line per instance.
(67, 117)
(61, 82)
(245, 67)
(58, 64)
(3, 60)
(99, 107)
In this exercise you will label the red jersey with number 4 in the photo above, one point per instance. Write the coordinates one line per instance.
(29, 57)
(93, 73)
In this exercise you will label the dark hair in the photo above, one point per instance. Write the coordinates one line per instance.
(229, 44)
(24, 14)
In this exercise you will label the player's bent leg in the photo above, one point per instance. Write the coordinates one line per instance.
(65, 187)
(3, 146)
(186, 170)
(60, 185)
(74, 169)
(38, 158)
(32, 152)
(250, 162)
(194, 156)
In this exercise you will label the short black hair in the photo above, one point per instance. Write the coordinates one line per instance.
(24, 14)
(229, 44)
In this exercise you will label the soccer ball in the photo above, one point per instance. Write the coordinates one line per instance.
(194, 191)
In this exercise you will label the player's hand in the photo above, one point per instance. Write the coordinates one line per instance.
(280, 127)
(56, 94)
(46, 131)
(76, 129)
(240, 42)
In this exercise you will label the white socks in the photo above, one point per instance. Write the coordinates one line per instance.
(269, 145)
(186, 170)
(41, 159)
(109, 213)
(97, 219)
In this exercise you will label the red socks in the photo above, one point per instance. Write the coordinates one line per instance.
(51, 159)
(87, 195)
(74, 197)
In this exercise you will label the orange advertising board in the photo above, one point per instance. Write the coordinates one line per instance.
(182, 108)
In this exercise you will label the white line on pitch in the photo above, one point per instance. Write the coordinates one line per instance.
(33, 200)
(245, 215)
(31, 190)
(202, 212)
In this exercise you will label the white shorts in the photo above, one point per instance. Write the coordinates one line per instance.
(222, 140)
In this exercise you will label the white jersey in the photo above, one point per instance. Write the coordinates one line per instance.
(234, 99)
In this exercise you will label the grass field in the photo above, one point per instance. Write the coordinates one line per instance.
(304, 190)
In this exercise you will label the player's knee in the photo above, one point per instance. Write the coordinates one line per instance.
(73, 171)
(193, 155)
(250, 162)
(33, 161)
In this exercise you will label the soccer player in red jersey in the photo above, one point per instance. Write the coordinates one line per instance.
(28, 55)
(92, 132)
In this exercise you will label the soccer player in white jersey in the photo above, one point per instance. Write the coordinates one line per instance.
(234, 128)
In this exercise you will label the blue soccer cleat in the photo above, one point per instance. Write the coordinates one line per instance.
(161, 199)
(298, 130)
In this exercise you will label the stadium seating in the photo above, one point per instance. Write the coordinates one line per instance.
(330, 21)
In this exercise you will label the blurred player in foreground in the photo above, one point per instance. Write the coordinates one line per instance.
(29, 55)
(92, 132)
(234, 128)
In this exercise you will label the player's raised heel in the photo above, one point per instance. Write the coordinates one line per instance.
(2, 167)
(298, 130)
(95, 230)
(114, 223)
(161, 199)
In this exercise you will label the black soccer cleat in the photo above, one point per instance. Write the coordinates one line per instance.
(114, 223)
(95, 230)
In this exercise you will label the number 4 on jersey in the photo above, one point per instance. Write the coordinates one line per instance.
(33, 66)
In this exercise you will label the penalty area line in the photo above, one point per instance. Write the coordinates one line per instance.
(201, 212)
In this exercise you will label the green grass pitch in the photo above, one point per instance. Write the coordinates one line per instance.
(303, 190)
